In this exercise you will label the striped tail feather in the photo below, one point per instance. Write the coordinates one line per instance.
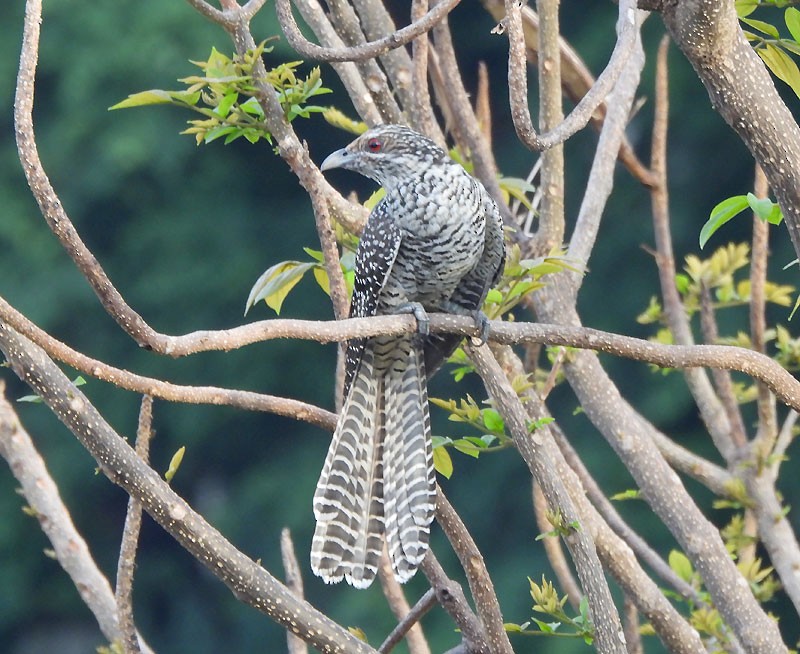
(348, 502)
(409, 485)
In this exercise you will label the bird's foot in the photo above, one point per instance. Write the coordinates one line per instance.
(418, 311)
(480, 318)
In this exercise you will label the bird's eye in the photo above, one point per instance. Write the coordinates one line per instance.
(374, 145)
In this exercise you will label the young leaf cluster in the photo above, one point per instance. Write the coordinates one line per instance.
(720, 274)
(225, 96)
(548, 602)
(522, 276)
(703, 616)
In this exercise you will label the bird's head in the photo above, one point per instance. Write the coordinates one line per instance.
(387, 154)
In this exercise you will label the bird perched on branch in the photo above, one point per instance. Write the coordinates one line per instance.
(433, 243)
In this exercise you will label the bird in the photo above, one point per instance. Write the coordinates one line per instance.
(433, 243)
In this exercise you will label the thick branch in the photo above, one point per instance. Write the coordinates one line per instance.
(42, 495)
(742, 91)
(542, 456)
(247, 580)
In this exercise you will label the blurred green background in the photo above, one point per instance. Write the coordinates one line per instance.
(185, 231)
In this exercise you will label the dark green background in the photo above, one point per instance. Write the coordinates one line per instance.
(184, 232)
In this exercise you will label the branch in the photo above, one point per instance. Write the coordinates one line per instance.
(451, 598)
(130, 538)
(617, 557)
(601, 176)
(480, 583)
(518, 84)
(247, 580)
(360, 94)
(369, 50)
(409, 618)
(409, 623)
(630, 436)
(576, 79)
(294, 582)
(742, 92)
(542, 457)
(42, 495)
(161, 389)
(711, 410)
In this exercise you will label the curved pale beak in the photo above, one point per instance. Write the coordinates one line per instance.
(336, 159)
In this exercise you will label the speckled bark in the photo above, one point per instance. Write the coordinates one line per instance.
(742, 91)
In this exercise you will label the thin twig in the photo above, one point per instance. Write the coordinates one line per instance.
(369, 50)
(630, 621)
(554, 550)
(123, 592)
(408, 619)
(711, 411)
(550, 233)
(294, 582)
(767, 419)
(577, 119)
(722, 378)
(410, 623)
(480, 583)
(44, 500)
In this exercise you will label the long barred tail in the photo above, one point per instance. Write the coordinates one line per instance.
(378, 476)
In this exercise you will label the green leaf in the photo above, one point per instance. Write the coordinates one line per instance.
(721, 214)
(782, 65)
(144, 98)
(629, 494)
(224, 107)
(321, 275)
(792, 19)
(494, 296)
(761, 26)
(745, 7)
(765, 209)
(681, 565)
(493, 420)
(274, 285)
(442, 462)
(174, 463)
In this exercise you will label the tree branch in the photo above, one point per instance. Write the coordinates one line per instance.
(542, 455)
(123, 592)
(480, 583)
(742, 92)
(369, 50)
(577, 119)
(71, 551)
(247, 580)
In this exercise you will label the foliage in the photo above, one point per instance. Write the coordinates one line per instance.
(767, 41)
(226, 96)
(548, 602)
(764, 208)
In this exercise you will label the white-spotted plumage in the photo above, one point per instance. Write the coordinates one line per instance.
(434, 240)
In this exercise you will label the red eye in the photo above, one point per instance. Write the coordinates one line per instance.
(374, 145)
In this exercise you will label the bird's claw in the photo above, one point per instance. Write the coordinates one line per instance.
(418, 311)
(482, 323)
